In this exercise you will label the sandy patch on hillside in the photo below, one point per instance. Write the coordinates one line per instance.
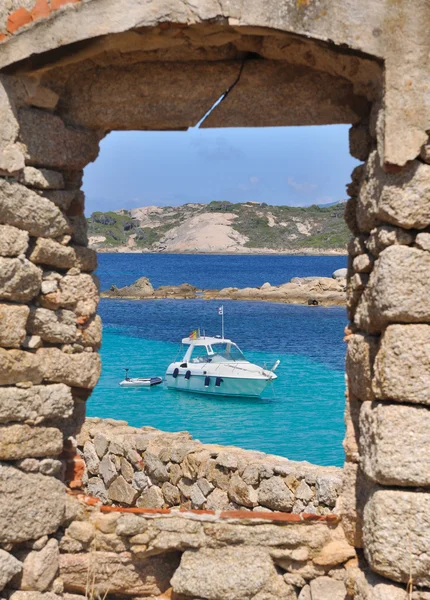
(208, 232)
(96, 239)
(148, 216)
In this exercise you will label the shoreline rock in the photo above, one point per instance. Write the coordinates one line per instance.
(313, 291)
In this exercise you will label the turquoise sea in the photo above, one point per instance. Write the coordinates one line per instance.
(300, 416)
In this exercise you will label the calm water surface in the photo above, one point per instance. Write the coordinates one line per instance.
(300, 416)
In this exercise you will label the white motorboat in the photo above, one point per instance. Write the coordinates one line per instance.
(215, 365)
(140, 381)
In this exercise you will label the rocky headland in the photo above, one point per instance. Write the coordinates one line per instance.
(326, 291)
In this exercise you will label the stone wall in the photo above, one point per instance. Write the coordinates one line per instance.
(49, 330)
(78, 69)
(172, 554)
(147, 468)
(385, 498)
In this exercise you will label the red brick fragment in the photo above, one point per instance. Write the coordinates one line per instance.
(55, 4)
(76, 484)
(40, 10)
(275, 516)
(3, 36)
(18, 19)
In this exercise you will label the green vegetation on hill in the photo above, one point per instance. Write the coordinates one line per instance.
(280, 228)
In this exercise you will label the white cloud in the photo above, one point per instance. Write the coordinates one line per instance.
(301, 187)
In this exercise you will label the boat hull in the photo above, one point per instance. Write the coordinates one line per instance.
(141, 382)
(229, 386)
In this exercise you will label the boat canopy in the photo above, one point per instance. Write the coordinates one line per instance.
(211, 349)
(205, 340)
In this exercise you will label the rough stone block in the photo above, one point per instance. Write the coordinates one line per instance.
(53, 326)
(11, 156)
(35, 404)
(31, 505)
(79, 227)
(91, 334)
(13, 319)
(42, 179)
(394, 443)
(76, 370)
(422, 241)
(25, 441)
(355, 491)
(234, 573)
(62, 198)
(79, 293)
(20, 280)
(352, 433)
(86, 258)
(151, 498)
(51, 253)
(13, 241)
(327, 488)
(121, 491)
(398, 290)
(369, 586)
(360, 357)
(402, 364)
(9, 566)
(25, 209)
(397, 198)
(396, 535)
(17, 366)
(360, 142)
(326, 588)
(274, 494)
(118, 574)
(388, 235)
(39, 568)
(48, 142)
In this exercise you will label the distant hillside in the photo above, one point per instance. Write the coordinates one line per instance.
(221, 227)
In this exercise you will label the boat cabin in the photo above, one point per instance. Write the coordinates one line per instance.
(211, 350)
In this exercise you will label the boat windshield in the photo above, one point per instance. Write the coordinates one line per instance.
(223, 352)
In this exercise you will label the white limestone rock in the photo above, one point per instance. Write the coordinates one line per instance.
(151, 498)
(422, 241)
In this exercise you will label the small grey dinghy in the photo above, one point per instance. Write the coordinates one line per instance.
(140, 381)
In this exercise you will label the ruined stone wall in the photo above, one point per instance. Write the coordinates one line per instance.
(144, 467)
(385, 500)
(49, 332)
(180, 555)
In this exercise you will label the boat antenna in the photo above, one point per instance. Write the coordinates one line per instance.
(221, 312)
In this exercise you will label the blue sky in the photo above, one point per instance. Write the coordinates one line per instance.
(297, 166)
